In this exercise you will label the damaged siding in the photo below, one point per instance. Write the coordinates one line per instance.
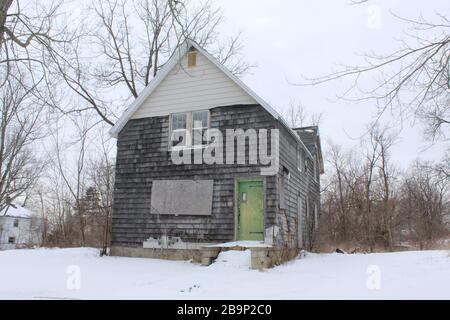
(143, 156)
(301, 185)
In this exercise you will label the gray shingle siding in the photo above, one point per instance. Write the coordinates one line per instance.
(143, 156)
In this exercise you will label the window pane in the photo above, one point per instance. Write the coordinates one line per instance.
(178, 121)
(199, 137)
(200, 119)
(178, 138)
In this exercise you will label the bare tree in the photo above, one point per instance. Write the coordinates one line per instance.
(27, 32)
(126, 46)
(424, 202)
(23, 27)
(409, 82)
(385, 139)
(101, 177)
(20, 127)
(297, 116)
(72, 169)
(371, 204)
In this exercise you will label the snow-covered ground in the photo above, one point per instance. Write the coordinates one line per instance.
(81, 273)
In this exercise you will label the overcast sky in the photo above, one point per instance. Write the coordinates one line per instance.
(288, 38)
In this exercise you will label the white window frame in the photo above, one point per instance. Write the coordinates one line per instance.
(199, 128)
(171, 130)
(189, 130)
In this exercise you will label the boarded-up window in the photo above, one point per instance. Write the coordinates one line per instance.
(182, 197)
(192, 59)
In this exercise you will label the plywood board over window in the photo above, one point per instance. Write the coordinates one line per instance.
(192, 59)
(182, 197)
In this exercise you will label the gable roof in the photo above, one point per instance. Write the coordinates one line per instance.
(311, 138)
(165, 70)
(14, 210)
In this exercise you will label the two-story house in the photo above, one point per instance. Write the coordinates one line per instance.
(203, 160)
(19, 228)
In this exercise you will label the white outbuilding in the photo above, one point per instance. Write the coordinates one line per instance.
(19, 228)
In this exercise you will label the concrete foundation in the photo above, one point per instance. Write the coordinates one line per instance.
(261, 257)
(196, 255)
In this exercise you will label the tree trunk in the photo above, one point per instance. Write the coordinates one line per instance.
(4, 7)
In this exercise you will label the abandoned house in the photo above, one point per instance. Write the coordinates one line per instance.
(19, 228)
(167, 208)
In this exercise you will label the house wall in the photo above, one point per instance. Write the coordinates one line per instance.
(301, 187)
(28, 233)
(188, 89)
(143, 156)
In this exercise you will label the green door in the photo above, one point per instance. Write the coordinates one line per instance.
(250, 210)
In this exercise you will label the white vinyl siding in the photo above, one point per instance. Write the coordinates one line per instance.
(189, 89)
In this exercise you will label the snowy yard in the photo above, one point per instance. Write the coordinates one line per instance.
(81, 273)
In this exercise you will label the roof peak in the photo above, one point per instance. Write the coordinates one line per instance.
(180, 52)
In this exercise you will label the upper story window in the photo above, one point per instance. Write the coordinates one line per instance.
(200, 123)
(187, 129)
(178, 134)
(16, 223)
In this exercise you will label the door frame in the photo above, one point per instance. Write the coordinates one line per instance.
(236, 202)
